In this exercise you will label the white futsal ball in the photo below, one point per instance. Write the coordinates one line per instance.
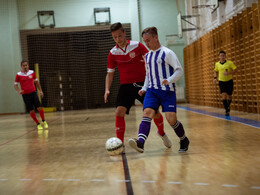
(114, 146)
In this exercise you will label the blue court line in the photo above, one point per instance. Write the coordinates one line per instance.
(245, 121)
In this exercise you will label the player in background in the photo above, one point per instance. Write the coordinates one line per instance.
(127, 56)
(163, 69)
(27, 79)
(225, 69)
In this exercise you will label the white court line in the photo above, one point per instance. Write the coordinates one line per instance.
(255, 187)
(97, 180)
(175, 182)
(148, 181)
(201, 184)
(3, 179)
(25, 179)
(228, 185)
(49, 179)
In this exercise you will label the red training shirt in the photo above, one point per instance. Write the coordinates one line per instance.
(129, 61)
(26, 81)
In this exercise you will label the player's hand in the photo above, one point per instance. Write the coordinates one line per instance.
(106, 95)
(21, 92)
(215, 81)
(143, 60)
(165, 82)
(141, 92)
(41, 94)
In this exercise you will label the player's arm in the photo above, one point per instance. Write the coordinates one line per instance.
(38, 85)
(173, 61)
(232, 72)
(16, 87)
(146, 84)
(109, 79)
(215, 74)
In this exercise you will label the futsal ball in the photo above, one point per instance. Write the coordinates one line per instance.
(114, 146)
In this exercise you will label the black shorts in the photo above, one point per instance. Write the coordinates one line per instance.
(226, 87)
(127, 95)
(31, 101)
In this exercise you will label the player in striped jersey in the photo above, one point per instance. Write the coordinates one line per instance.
(27, 79)
(127, 56)
(163, 70)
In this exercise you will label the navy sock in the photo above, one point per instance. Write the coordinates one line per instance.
(178, 128)
(144, 129)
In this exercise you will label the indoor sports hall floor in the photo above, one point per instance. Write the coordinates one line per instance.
(70, 157)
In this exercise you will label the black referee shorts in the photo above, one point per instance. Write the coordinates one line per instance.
(226, 87)
(31, 101)
(127, 95)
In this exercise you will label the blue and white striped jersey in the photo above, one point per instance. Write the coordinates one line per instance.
(160, 65)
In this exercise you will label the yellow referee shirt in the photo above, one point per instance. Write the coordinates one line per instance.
(221, 68)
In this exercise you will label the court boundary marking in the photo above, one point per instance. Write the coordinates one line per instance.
(128, 182)
(244, 121)
(253, 187)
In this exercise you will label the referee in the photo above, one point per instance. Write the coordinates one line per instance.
(225, 69)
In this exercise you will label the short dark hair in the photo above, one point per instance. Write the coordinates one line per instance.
(222, 52)
(23, 61)
(116, 26)
(151, 31)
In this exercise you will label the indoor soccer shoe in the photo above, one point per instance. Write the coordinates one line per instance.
(39, 127)
(45, 125)
(134, 143)
(166, 141)
(184, 145)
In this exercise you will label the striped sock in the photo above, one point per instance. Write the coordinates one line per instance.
(144, 129)
(178, 128)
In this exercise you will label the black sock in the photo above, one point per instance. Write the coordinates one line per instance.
(225, 103)
(178, 128)
(229, 102)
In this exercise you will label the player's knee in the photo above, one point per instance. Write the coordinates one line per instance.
(171, 118)
(157, 115)
(120, 111)
(148, 112)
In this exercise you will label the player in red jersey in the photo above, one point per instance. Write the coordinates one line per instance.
(127, 56)
(27, 78)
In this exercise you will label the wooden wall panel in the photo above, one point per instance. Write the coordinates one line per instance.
(240, 38)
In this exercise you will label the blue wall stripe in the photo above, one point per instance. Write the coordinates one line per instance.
(245, 121)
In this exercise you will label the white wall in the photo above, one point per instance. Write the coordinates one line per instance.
(10, 56)
(208, 21)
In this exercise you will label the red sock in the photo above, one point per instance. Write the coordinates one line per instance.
(120, 127)
(159, 123)
(33, 115)
(41, 112)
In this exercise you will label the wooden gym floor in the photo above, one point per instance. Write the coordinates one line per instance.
(70, 157)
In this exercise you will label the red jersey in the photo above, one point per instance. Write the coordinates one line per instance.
(26, 81)
(129, 62)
